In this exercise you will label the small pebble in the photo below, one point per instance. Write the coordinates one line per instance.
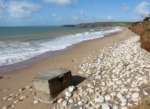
(23, 97)
(35, 101)
(10, 99)
(64, 103)
(6, 107)
(5, 98)
(105, 106)
(20, 90)
(107, 97)
(68, 94)
(13, 105)
(16, 101)
(71, 88)
(80, 103)
(16, 95)
(6, 90)
(28, 87)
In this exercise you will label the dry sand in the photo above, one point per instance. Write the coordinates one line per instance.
(20, 79)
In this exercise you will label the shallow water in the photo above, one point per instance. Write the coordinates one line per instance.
(21, 43)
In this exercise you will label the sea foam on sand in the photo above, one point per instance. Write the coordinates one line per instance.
(16, 51)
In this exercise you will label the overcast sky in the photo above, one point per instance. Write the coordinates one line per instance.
(59, 12)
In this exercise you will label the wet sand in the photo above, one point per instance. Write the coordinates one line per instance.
(69, 59)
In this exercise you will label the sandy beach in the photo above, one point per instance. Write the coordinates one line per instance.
(70, 59)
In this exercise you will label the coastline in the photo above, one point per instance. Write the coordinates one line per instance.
(70, 59)
(16, 67)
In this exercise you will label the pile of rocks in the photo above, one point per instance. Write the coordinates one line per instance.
(117, 79)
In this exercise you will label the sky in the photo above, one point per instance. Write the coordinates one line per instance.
(61, 12)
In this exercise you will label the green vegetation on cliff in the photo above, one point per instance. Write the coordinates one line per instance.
(100, 24)
(104, 24)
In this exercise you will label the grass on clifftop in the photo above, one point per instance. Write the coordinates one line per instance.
(105, 24)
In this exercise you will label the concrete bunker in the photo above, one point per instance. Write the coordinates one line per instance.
(49, 84)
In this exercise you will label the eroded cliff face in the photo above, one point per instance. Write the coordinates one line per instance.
(142, 29)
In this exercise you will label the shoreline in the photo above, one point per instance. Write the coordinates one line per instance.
(16, 67)
(70, 59)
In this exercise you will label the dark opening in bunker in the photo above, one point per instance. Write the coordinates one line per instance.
(61, 79)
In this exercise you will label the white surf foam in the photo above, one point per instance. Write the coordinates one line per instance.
(13, 52)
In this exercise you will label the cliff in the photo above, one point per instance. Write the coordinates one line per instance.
(143, 30)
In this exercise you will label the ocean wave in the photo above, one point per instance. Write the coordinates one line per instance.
(16, 51)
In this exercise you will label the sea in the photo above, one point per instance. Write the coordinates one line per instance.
(18, 44)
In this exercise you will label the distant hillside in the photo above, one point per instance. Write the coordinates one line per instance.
(68, 25)
(100, 24)
(104, 24)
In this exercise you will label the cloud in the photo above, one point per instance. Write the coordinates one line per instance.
(61, 2)
(109, 17)
(54, 15)
(22, 9)
(82, 12)
(142, 9)
(126, 8)
(75, 18)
